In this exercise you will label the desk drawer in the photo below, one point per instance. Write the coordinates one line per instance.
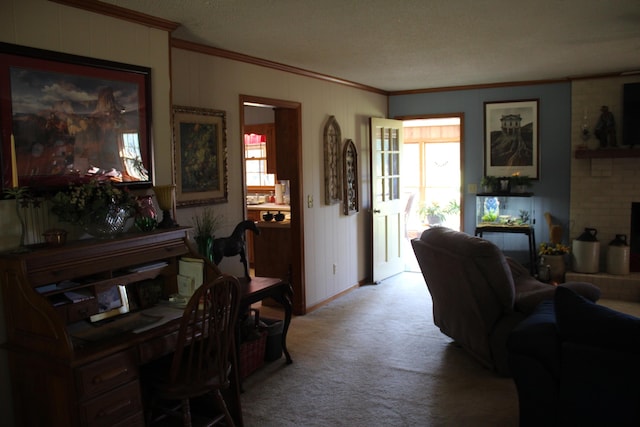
(114, 407)
(105, 374)
(157, 347)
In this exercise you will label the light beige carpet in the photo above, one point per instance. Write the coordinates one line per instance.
(374, 358)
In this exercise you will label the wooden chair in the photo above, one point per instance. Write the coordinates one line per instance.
(203, 358)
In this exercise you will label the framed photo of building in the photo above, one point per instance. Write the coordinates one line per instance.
(67, 119)
(511, 143)
(200, 156)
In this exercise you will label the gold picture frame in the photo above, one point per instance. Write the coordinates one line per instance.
(200, 156)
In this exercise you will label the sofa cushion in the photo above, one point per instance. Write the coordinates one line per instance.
(530, 291)
(582, 321)
(585, 289)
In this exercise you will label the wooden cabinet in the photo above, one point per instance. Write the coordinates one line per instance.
(252, 215)
(272, 250)
(287, 133)
(60, 378)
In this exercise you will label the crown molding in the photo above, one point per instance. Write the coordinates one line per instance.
(214, 51)
(121, 13)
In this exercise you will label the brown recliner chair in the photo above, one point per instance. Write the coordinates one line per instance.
(478, 294)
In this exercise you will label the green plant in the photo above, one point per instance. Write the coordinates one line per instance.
(489, 182)
(436, 211)
(206, 223)
(79, 201)
(522, 180)
(21, 194)
(553, 249)
(490, 216)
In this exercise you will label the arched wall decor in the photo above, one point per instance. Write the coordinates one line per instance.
(350, 177)
(332, 172)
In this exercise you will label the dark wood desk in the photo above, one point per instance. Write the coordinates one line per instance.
(61, 380)
(259, 288)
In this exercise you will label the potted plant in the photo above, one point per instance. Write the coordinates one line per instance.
(520, 183)
(552, 261)
(435, 214)
(489, 183)
(205, 225)
(98, 206)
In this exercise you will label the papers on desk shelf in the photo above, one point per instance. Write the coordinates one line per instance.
(190, 275)
(135, 322)
(47, 288)
(163, 313)
(79, 295)
(147, 267)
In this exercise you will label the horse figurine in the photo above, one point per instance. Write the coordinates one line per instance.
(234, 244)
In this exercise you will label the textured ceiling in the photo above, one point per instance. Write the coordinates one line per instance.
(417, 44)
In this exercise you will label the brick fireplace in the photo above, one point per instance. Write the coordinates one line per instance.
(603, 190)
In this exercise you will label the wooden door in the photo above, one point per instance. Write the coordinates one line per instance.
(388, 209)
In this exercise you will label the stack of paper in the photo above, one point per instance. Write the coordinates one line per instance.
(190, 275)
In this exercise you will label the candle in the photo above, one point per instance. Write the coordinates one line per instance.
(14, 164)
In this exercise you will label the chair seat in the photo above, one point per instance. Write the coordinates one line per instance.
(165, 389)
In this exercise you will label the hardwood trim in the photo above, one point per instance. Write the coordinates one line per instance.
(479, 86)
(213, 51)
(336, 296)
(607, 153)
(296, 193)
(121, 13)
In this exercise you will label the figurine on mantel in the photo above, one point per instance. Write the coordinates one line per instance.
(605, 129)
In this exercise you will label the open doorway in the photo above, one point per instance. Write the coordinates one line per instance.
(431, 176)
(271, 161)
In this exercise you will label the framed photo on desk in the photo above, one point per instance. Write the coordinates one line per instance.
(112, 301)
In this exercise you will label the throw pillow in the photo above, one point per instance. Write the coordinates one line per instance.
(582, 321)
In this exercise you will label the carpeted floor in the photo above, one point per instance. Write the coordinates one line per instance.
(374, 358)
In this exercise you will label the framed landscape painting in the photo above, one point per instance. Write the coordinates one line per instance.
(68, 119)
(511, 138)
(200, 154)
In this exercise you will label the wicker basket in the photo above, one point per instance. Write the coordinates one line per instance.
(252, 354)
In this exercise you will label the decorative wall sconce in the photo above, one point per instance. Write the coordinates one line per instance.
(350, 177)
(332, 172)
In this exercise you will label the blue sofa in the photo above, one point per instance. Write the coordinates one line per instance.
(576, 363)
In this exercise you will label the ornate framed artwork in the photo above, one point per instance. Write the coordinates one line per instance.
(350, 178)
(332, 172)
(200, 156)
(66, 119)
(511, 138)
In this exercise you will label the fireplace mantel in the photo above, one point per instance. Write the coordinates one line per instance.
(606, 153)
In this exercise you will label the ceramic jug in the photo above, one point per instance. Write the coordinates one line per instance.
(585, 252)
(618, 255)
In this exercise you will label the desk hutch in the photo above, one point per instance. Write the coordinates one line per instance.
(60, 380)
